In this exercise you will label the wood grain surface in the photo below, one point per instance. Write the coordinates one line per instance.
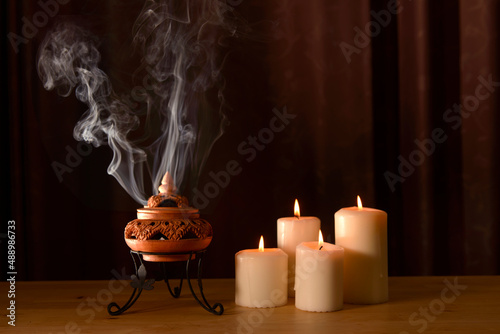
(463, 304)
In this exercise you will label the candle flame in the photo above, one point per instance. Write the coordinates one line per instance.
(320, 240)
(296, 209)
(360, 205)
(261, 244)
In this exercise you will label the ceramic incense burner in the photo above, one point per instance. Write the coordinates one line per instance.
(168, 225)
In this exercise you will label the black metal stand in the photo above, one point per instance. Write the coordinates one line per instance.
(140, 283)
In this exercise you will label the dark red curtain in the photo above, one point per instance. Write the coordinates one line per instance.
(397, 104)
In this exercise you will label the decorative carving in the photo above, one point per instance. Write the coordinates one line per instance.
(168, 200)
(173, 229)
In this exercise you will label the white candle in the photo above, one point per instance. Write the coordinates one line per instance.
(291, 232)
(261, 277)
(318, 281)
(362, 232)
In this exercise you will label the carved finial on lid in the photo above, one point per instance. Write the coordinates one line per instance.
(167, 185)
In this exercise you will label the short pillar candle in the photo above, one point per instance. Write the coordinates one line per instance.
(261, 277)
(319, 277)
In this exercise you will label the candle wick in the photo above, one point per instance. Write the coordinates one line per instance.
(320, 247)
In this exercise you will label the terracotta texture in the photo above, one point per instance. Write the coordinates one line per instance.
(168, 225)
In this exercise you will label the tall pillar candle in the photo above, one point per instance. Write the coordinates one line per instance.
(261, 277)
(291, 232)
(319, 277)
(362, 232)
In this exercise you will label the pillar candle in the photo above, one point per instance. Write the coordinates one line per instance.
(318, 277)
(261, 277)
(291, 232)
(362, 232)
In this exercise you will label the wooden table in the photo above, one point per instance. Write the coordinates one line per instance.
(464, 304)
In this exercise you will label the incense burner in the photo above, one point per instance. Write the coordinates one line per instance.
(168, 225)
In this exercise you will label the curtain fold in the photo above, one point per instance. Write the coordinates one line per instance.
(415, 123)
(480, 77)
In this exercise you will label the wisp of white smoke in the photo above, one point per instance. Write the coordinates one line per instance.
(179, 42)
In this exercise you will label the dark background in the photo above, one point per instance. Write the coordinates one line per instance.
(353, 120)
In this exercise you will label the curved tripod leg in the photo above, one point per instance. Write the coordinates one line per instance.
(177, 290)
(217, 308)
(139, 283)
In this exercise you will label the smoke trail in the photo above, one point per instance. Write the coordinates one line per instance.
(178, 41)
